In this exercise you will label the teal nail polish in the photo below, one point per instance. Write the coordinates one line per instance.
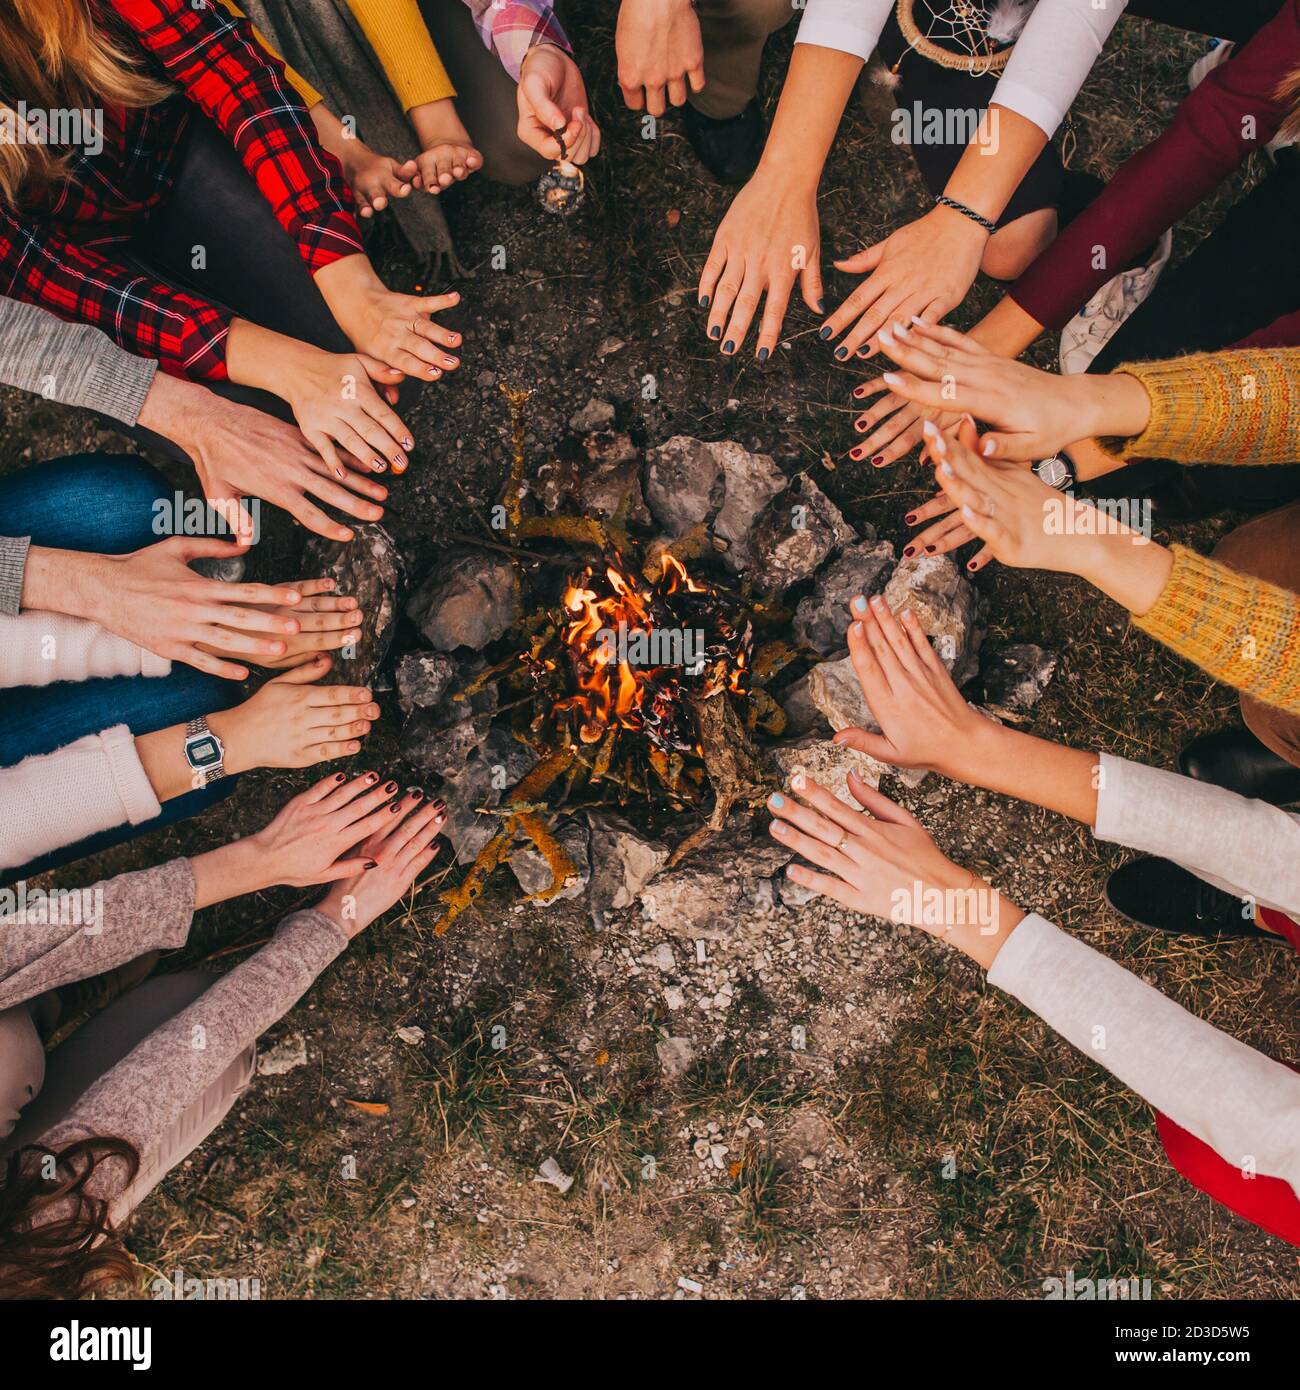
(860, 604)
(777, 800)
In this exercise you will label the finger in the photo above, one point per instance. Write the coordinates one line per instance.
(939, 505)
(331, 735)
(213, 665)
(695, 76)
(441, 337)
(344, 868)
(950, 533)
(266, 595)
(199, 547)
(224, 640)
(363, 814)
(877, 804)
(247, 619)
(936, 395)
(307, 514)
(871, 675)
(873, 745)
(824, 885)
(742, 314)
(325, 787)
(327, 695)
(340, 792)
(436, 303)
(807, 846)
(389, 421)
(865, 333)
(344, 500)
(892, 630)
(712, 271)
(677, 91)
(924, 649)
(862, 261)
(1014, 448)
(307, 674)
(314, 589)
(810, 285)
(654, 101)
(725, 296)
(774, 307)
(843, 818)
(885, 654)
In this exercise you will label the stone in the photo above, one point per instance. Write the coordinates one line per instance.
(612, 482)
(661, 959)
(368, 569)
(946, 605)
(622, 861)
(796, 533)
(1015, 678)
(534, 873)
(801, 712)
(468, 599)
(822, 619)
(422, 680)
(834, 689)
(828, 764)
(750, 483)
(486, 775)
(676, 1057)
(595, 415)
(684, 485)
(714, 888)
(285, 1056)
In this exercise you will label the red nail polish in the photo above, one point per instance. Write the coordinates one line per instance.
(909, 551)
(877, 461)
(929, 549)
(370, 864)
(910, 518)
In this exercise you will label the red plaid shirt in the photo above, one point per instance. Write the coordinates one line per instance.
(63, 251)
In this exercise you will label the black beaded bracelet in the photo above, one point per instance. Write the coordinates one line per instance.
(945, 202)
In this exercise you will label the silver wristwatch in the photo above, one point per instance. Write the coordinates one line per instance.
(1055, 472)
(204, 751)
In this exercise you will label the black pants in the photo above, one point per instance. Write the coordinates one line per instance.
(1241, 278)
(1047, 184)
(248, 263)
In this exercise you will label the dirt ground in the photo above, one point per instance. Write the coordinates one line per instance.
(862, 1116)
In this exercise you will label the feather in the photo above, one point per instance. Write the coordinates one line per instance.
(881, 76)
(1006, 19)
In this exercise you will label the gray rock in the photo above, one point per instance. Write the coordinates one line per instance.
(685, 484)
(287, 1055)
(716, 886)
(676, 1057)
(1015, 678)
(422, 680)
(796, 533)
(370, 570)
(801, 712)
(946, 605)
(833, 688)
(822, 618)
(622, 861)
(485, 777)
(534, 873)
(613, 479)
(751, 481)
(829, 765)
(468, 600)
(595, 415)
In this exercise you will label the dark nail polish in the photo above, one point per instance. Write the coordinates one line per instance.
(416, 792)
(864, 352)
(438, 804)
(825, 333)
(929, 550)
(859, 425)
(395, 807)
(970, 565)
(856, 453)
(841, 353)
(729, 346)
(909, 551)
(372, 777)
(704, 301)
(764, 354)
(821, 306)
(715, 331)
(341, 777)
(910, 518)
(877, 461)
(370, 864)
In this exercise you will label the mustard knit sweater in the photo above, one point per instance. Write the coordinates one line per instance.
(1224, 407)
(396, 31)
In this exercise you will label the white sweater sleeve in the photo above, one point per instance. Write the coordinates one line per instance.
(1053, 57)
(1248, 848)
(39, 648)
(55, 799)
(1239, 1102)
(852, 26)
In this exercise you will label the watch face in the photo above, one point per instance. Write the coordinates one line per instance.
(203, 751)
(1054, 472)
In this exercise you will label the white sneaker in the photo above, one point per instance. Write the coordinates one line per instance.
(1094, 325)
(1219, 51)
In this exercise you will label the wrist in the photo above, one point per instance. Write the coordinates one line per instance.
(1124, 407)
(231, 871)
(65, 581)
(978, 747)
(230, 727)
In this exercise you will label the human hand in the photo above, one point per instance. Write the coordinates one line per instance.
(445, 162)
(313, 838)
(925, 268)
(885, 864)
(769, 237)
(1035, 414)
(326, 623)
(660, 53)
(293, 722)
(924, 722)
(401, 849)
(552, 97)
(153, 598)
(241, 452)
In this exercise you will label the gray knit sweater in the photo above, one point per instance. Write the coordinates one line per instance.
(71, 363)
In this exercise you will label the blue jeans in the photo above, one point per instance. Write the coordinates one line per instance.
(102, 503)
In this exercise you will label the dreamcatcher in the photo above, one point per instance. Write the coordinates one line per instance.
(971, 36)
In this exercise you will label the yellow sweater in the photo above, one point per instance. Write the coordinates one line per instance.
(1225, 407)
(396, 31)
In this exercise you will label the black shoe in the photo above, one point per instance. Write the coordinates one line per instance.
(728, 149)
(1158, 894)
(1236, 759)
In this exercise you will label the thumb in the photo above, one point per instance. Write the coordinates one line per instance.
(1012, 448)
(967, 433)
(380, 371)
(537, 92)
(863, 260)
(306, 674)
(203, 547)
(236, 516)
(873, 745)
(878, 804)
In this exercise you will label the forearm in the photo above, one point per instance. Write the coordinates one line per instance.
(1007, 329)
(996, 160)
(63, 581)
(817, 89)
(1123, 564)
(1030, 769)
(270, 361)
(436, 122)
(229, 872)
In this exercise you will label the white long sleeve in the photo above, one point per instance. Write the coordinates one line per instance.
(1053, 56)
(38, 648)
(1239, 1102)
(851, 26)
(56, 799)
(1248, 848)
